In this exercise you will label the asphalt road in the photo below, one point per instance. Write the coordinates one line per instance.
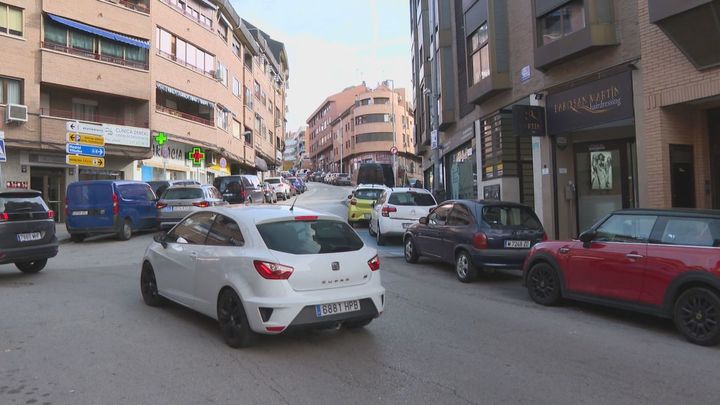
(79, 333)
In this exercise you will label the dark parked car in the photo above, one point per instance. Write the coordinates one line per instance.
(109, 206)
(660, 262)
(241, 188)
(27, 230)
(376, 173)
(475, 235)
(159, 186)
(179, 201)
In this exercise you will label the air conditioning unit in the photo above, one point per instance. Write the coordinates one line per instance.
(16, 113)
(218, 74)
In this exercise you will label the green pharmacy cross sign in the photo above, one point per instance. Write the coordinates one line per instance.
(161, 138)
(197, 156)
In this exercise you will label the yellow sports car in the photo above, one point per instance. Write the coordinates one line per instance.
(361, 203)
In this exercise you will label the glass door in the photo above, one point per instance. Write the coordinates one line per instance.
(51, 183)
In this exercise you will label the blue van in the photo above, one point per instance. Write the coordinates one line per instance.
(109, 206)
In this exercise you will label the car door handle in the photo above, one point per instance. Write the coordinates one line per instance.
(634, 256)
(193, 255)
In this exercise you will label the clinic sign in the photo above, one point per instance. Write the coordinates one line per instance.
(175, 151)
(588, 105)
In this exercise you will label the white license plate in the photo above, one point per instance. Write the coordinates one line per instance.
(517, 244)
(29, 237)
(406, 225)
(337, 308)
(181, 208)
(79, 213)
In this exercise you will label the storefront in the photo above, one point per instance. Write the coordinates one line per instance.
(592, 129)
(172, 166)
(461, 172)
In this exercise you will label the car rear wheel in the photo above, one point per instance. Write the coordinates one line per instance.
(233, 320)
(543, 284)
(379, 236)
(697, 314)
(125, 232)
(411, 253)
(370, 229)
(32, 266)
(148, 286)
(464, 269)
(77, 237)
(357, 324)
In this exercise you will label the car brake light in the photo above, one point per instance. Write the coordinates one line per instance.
(4, 216)
(243, 194)
(374, 263)
(115, 204)
(480, 241)
(386, 210)
(306, 218)
(160, 205)
(51, 214)
(353, 202)
(273, 271)
(545, 237)
(201, 204)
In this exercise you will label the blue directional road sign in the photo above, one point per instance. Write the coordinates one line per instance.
(3, 156)
(84, 150)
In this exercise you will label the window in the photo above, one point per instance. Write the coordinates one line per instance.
(370, 118)
(257, 90)
(626, 228)
(236, 47)
(84, 109)
(183, 52)
(222, 74)
(236, 129)
(561, 22)
(439, 216)
(381, 100)
(193, 229)
(225, 232)
(223, 29)
(691, 232)
(182, 193)
(310, 237)
(223, 118)
(374, 137)
(10, 91)
(136, 192)
(504, 217)
(236, 87)
(11, 20)
(460, 216)
(479, 55)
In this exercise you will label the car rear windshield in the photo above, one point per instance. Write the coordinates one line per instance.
(18, 203)
(411, 198)
(310, 237)
(87, 194)
(182, 193)
(368, 194)
(272, 181)
(501, 217)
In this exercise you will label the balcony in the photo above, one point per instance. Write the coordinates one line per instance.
(95, 118)
(185, 64)
(184, 115)
(190, 13)
(122, 16)
(141, 6)
(92, 55)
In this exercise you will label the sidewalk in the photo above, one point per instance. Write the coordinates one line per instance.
(62, 233)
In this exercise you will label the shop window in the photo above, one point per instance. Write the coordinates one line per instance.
(461, 167)
(479, 55)
(561, 22)
(11, 20)
(10, 91)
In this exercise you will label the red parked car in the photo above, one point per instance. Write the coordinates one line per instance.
(661, 262)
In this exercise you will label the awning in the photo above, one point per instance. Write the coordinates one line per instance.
(190, 97)
(141, 43)
(261, 164)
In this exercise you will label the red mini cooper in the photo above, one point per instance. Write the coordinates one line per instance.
(661, 262)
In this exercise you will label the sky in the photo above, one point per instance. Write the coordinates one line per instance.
(334, 44)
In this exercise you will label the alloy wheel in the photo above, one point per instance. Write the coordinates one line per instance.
(542, 283)
(462, 266)
(699, 316)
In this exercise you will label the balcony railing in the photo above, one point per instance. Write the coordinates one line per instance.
(185, 63)
(92, 55)
(176, 5)
(184, 115)
(103, 119)
(132, 5)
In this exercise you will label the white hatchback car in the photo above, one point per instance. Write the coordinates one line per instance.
(398, 208)
(265, 269)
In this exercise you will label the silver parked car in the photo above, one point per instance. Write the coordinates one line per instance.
(178, 201)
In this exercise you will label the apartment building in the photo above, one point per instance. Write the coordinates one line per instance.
(156, 77)
(294, 148)
(536, 102)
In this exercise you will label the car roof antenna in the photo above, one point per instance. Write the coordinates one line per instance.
(293, 204)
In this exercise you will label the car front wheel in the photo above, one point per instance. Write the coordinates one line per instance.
(697, 314)
(543, 284)
(233, 320)
(32, 266)
(464, 269)
(411, 253)
(148, 286)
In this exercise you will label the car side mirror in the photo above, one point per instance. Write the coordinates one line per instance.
(350, 197)
(423, 220)
(587, 237)
(161, 238)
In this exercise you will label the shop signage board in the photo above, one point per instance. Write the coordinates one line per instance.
(528, 120)
(85, 161)
(93, 151)
(85, 139)
(126, 136)
(223, 163)
(434, 139)
(588, 105)
(161, 138)
(196, 156)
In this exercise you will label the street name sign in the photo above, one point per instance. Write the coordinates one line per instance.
(92, 151)
(86, 139)
(91, 129)
(85, 161)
